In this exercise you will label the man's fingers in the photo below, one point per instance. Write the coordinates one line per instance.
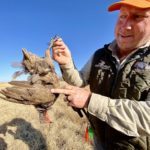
(69, 87)
(58, 42)
(71, 104)
(61, 91)
(61, 47)
(69, 98)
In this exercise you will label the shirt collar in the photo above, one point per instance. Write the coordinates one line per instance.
(113, 48)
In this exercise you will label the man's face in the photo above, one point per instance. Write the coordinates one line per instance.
(132, 28)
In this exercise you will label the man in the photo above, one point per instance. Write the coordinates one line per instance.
(119, 78)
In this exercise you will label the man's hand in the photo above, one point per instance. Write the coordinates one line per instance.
(61, 53)
(77, 97)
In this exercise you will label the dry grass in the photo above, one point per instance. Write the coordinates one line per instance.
(20, 127)
(3, 85)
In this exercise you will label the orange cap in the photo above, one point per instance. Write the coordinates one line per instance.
(135, 3)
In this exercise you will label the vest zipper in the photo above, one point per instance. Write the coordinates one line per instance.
(119, 66)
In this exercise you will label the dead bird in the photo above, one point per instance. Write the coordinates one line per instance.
(37, 89)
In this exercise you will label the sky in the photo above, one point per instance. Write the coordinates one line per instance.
(84, 25)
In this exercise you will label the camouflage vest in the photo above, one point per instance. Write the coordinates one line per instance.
(131, 81)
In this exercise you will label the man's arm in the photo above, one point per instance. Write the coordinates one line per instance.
(62, 55)
(73, 76)
(129, 117)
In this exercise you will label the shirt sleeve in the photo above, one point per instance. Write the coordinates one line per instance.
(75, 77)
(129, 117)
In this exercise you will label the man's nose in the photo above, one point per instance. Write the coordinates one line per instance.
(127, 24)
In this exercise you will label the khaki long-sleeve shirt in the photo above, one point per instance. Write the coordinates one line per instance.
(129, 117)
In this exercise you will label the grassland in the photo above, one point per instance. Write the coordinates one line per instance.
(20, 127)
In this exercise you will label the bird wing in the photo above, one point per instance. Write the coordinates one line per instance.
(22, 92)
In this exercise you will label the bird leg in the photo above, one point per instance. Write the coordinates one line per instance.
(44, 117)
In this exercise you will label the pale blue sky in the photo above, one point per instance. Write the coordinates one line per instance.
(85, 25)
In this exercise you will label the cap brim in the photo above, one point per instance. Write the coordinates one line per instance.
(135, 3)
